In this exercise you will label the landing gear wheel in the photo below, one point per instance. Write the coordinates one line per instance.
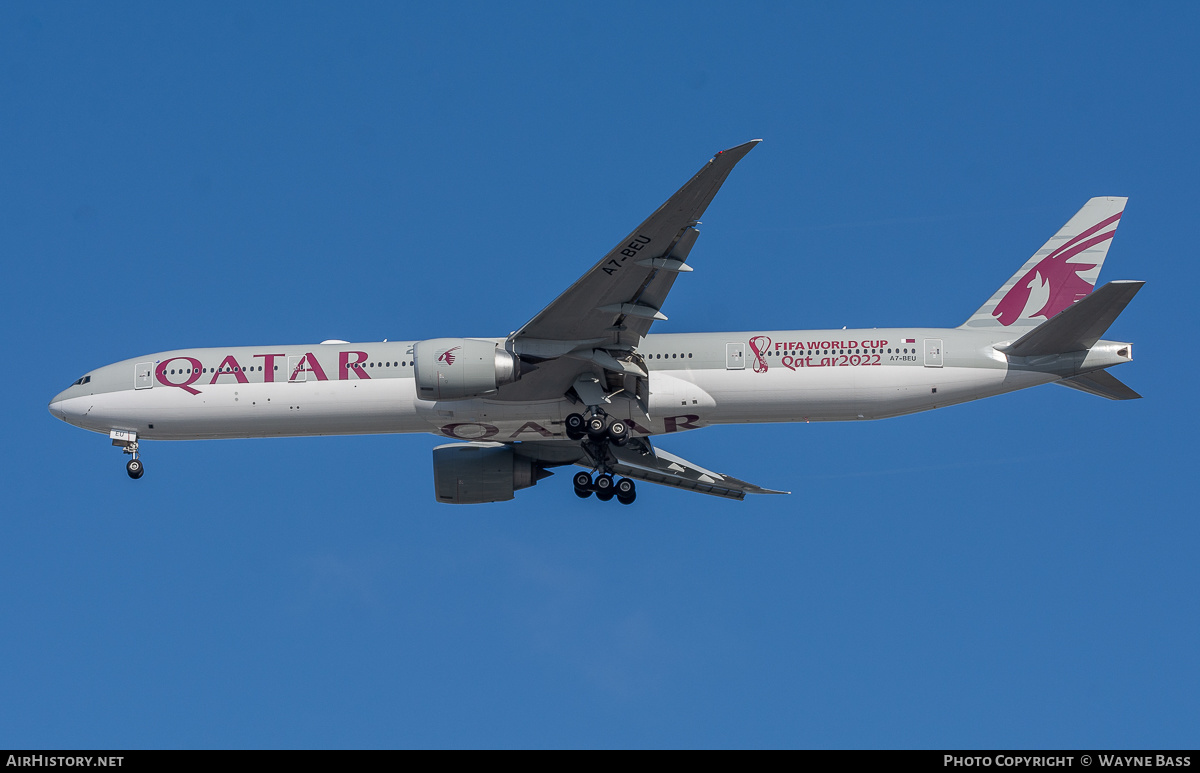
(618, 432)
(604, 497)
(596, 428)
(582, 481)
(575, 424)
(626, 500)
(625, 488)
(604, 485)
(135, 469)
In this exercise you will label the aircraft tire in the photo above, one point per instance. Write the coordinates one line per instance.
(604, 484)
(575, 424)
(626, 500)
(604, 496)
(583, 493)
(626, 488)
(596, 428)
(618, 432)
(582, 481)
(135, 468)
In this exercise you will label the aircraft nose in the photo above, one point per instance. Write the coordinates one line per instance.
(56, 406)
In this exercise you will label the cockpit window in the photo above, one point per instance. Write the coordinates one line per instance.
(82, 381)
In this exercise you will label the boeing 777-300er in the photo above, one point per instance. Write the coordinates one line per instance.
(584, 383)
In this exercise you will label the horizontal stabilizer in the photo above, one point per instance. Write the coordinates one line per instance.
(1078, 327)
(1103, 383)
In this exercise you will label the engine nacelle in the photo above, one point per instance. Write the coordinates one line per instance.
(459, 368)
(474, 473)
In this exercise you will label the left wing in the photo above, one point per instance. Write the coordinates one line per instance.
(601, 318)
(642, 461)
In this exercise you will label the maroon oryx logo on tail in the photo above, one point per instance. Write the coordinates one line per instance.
(1055, 281)
(448, 356)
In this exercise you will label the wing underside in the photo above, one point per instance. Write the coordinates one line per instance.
(640, 460)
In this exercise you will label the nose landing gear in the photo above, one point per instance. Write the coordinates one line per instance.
(129, 444)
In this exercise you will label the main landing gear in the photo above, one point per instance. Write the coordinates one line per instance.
(599, 433)
(605, 487)
(597, 429)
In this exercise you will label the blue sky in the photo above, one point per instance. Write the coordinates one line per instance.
(1017, 572)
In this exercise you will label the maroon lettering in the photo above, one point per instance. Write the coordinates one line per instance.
(235, 370)
(674, 424)
(308, 363)
(193, 374)
(457, 432)
(314, 367)
(638, 428)
(533, 426)
(269, 366)
(345, 366)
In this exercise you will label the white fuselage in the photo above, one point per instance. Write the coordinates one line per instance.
(696, 380)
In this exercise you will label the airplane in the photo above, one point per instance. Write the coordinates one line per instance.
(584, 382)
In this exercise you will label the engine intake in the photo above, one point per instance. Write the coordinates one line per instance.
(460, 368)
(475, 473)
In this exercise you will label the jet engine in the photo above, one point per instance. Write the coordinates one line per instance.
(474, 473)
(460, 368)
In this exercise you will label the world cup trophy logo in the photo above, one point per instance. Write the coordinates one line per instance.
(759, 346)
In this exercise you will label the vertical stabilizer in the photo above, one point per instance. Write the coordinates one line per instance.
(1062, 272)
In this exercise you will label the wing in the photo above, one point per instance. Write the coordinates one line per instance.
(603, 316)
(640, 460)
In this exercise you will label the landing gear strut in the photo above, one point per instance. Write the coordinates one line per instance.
(599, 433)
(128, 442)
